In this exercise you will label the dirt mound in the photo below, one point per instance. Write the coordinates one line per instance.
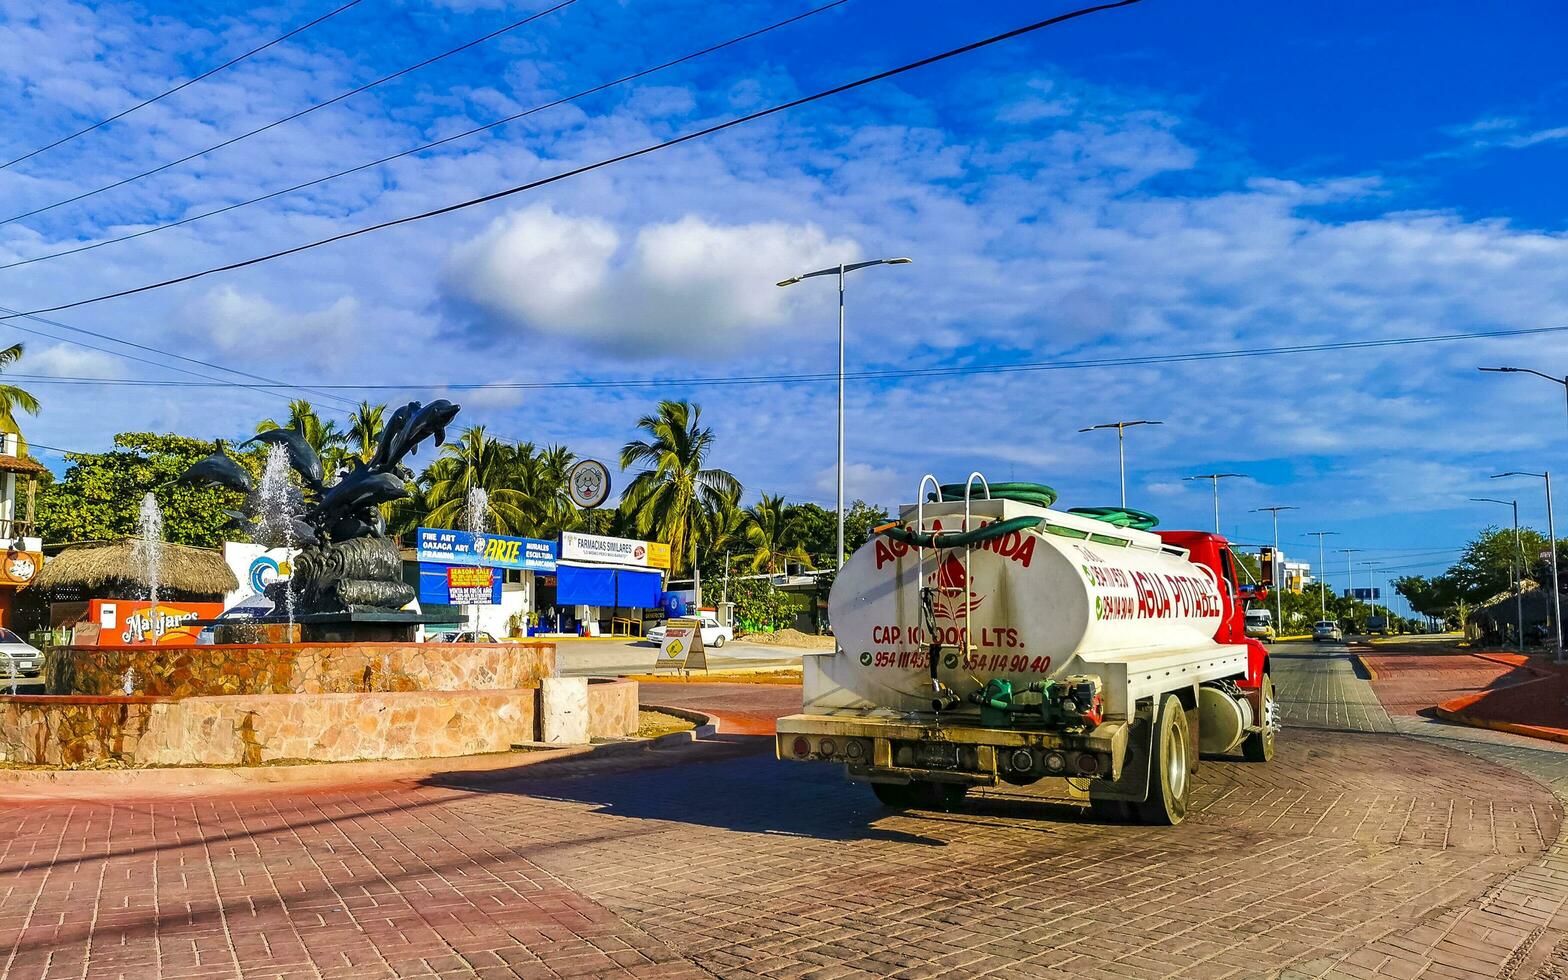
(791, 638)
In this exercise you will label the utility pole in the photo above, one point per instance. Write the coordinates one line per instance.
(1274, 567)
(1350, 576)
(1322, 573)
(841, 270)
(1517, 574)
(1121, 448)
(1551, 534)
(1372, 585)
(1216, 478)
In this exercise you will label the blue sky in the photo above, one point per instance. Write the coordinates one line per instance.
(1171, 177)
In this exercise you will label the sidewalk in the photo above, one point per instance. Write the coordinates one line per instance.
(1525, 695)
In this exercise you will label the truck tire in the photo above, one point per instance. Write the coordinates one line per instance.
(1259, 746)
(896, 796)
(1170, 780)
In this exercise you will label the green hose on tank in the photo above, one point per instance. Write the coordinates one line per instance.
(1138, 520)
(1036, 494)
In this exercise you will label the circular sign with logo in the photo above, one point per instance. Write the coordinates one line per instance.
(263, 572)
(589, 484)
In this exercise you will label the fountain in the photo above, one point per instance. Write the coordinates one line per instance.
(148, 553)
(347, 581)
(477, 511)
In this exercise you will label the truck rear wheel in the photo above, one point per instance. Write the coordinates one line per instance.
(1259, 746)
(1169, 782)
(920, 793)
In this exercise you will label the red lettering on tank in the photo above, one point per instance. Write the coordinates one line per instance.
(884, 553)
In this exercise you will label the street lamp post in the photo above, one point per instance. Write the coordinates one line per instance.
(1372, 586)
(1350, 576)
(1518, 554)
(1216, 477)
(1549, 377)
(841, 270)
(1274, 569)
(1551, 538)
(1121, 449)
(1322, 572)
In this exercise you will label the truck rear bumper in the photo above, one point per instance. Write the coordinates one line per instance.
(878, 749)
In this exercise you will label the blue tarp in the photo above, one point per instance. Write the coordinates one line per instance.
(616, 587)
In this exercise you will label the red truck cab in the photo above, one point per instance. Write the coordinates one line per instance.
(1214, 553)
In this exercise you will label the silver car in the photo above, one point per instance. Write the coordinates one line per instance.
(18, 657)
(1327, 629)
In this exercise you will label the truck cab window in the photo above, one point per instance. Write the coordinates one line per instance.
(1229, 570)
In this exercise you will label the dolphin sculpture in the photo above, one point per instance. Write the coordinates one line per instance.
(301, 457)
(389, 451)
(219, 468)
(368, 491)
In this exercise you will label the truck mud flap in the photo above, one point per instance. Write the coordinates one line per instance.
(1132, 785)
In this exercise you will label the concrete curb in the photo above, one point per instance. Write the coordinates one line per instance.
(707, 725)
(1529, 731)
(1362, 663)
(56, 784)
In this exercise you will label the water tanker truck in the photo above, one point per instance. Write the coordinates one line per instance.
(985, 637)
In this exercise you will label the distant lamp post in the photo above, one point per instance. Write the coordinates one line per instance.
(841, 270)
(1518, 578)
(1372, 589)
(1518, 370)
(1322, 572)
(1274, 568)
(1216, 478)
(1121, 448)
(1551, 535)
(1350, 575)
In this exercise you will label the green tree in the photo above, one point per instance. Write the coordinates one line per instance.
(329, 442)
(475, 460)
(671, 500)
(759, 607)
(859, 521)
(542, 477)
(773, 536)
(101, 492)
(364, 429)
(12, 398)
(1486, 567)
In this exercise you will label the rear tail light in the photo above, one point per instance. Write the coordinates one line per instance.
(802, 746)
(854, 749)
(1055, 762)
(1088, 764)
(826, 747)
(1021, 761)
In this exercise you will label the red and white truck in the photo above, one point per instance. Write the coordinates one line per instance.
(986, 637)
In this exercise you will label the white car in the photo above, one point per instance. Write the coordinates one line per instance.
(713, 635)
(18, 657)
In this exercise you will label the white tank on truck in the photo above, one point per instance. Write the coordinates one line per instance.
(986, 637)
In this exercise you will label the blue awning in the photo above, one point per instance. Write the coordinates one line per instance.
(615, 587)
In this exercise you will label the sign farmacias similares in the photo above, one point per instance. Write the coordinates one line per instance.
(614, 551)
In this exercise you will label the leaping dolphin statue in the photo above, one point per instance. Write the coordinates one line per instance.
(301, 457)
(219, 468)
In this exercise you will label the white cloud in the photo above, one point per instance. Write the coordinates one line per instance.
(232, 321)
(675, 286)
(66, 361)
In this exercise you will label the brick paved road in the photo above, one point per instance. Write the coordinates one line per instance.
(1352, 853)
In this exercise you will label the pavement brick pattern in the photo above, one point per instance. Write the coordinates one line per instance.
(1353, 854)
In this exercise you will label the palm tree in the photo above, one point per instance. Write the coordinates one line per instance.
(364, 429)
(13, 398)
(542, 476)
(671, 500)
(773, 537)
(475, 460)
(324, 437)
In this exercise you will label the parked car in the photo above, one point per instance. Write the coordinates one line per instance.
(713, 634)
(462, 636)
(1260, 625)
(248, 608)
(18, 657)
(1327, 629)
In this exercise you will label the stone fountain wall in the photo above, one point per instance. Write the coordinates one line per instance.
(309, 668)
(266, 704)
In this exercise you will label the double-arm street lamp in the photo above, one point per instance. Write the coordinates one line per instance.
(1121, 448)
(1322, 572)
(1551, 538)
(841, 270)
(1274, 566)
(1518, 579)
(1216, 478)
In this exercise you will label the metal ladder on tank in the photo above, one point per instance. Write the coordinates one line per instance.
(928, 615)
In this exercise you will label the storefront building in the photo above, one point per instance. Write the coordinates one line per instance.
(492, 578)
(605, 585)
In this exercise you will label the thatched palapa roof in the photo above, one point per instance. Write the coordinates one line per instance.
(97, 566)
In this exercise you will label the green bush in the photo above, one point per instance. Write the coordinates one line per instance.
(759, 607)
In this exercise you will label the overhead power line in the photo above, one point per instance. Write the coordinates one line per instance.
(188, 82)
(291, 117)
(765, 379)
(609, 161)
(440, 142)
